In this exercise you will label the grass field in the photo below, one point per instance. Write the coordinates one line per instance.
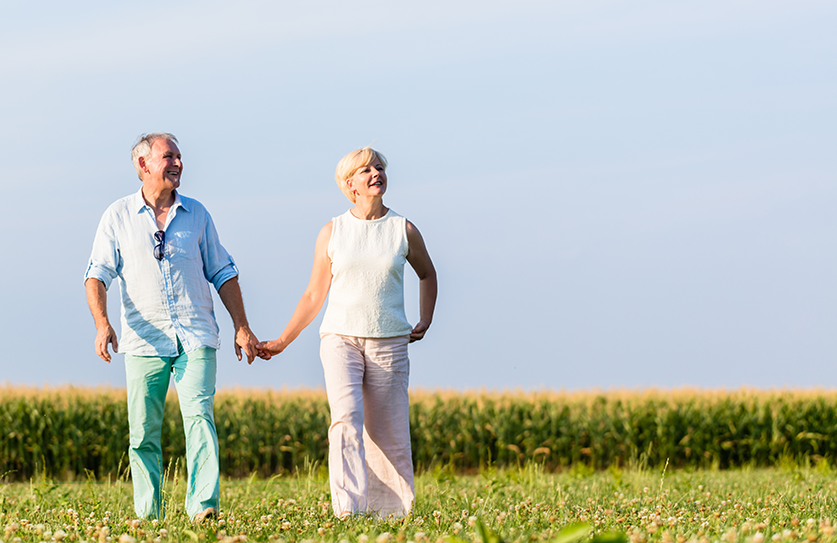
(595, 458)
(790, 503)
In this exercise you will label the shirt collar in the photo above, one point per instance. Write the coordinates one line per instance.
(140, 205)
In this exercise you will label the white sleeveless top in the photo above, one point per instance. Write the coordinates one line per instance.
(367, 284)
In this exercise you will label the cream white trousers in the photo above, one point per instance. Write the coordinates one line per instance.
(369, 463)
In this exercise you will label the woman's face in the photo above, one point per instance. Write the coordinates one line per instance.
(369, 180)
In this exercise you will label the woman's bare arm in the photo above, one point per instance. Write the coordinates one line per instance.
(312, 300)
(419, 259)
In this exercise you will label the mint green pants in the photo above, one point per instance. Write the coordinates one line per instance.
(147, 384)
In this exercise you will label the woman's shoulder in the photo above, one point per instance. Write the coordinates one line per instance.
(324, 238)
(327, 228)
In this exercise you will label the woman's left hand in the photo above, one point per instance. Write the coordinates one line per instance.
(419, 330)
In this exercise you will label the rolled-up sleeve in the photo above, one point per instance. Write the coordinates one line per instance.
(218, 265)
(105, 260)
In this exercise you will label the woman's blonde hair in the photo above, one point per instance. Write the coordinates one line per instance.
(351, 163)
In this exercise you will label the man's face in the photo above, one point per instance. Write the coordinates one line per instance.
(163, 167)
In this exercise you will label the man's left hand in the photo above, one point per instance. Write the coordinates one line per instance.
(245, 340)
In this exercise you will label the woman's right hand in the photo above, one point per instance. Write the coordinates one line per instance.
(267, 349)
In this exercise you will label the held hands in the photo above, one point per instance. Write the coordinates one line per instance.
(419, 330)
(267, 349)
(245, 340)
(103, 337)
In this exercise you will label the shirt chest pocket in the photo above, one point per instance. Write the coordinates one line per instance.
(185, 245)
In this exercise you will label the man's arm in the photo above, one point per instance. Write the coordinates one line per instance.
(230, 293)
(97, 299)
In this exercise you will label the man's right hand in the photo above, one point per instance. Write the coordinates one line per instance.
(103, 337)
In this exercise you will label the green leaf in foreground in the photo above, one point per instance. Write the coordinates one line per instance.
(610, 537)
(487, 535)
(571, 533)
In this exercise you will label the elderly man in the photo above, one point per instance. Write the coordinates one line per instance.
(164, 248)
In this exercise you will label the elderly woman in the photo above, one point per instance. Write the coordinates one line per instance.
(360, 257)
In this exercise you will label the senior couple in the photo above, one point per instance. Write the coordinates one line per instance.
(165, 251)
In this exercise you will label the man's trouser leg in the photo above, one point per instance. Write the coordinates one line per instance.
(194, 378)
(147, 379)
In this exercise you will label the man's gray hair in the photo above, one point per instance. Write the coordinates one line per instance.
(142, 148)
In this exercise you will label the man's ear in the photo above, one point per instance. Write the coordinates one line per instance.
(141, 162)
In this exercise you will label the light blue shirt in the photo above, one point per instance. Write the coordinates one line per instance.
(162, 300)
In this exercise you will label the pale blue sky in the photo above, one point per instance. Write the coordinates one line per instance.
(614, 193)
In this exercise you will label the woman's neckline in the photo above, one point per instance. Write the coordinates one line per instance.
(382, 217)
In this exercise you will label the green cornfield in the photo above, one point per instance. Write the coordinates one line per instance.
(72, 433)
